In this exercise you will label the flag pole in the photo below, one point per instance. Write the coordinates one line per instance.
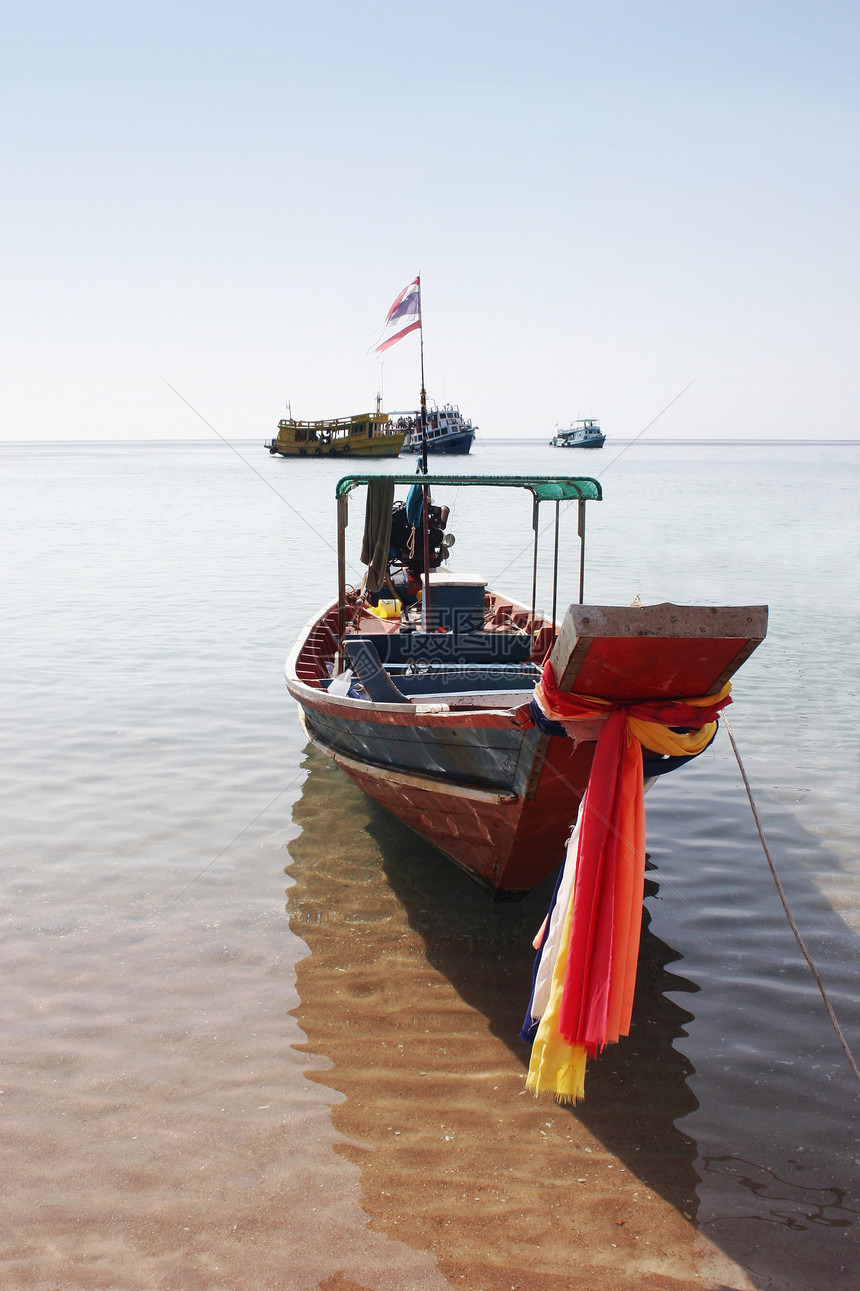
(425, 509)
(423, 390)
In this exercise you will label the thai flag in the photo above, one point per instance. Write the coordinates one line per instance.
(407, 305)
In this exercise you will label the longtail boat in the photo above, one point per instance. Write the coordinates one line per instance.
(513, 741)
(430, 691)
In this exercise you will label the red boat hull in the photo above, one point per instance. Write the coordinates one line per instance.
(472, 773)
(507, 841)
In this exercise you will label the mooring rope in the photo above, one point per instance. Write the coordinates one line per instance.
(794, 928)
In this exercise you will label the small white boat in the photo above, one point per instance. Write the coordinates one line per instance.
(585, 433)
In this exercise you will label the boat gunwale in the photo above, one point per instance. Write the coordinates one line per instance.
(408, 713)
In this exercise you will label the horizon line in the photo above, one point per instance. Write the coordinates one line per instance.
(480, 439)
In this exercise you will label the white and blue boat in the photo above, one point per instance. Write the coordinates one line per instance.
(585, 433)
(447, 430)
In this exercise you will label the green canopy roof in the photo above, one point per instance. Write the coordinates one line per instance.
(544, 488)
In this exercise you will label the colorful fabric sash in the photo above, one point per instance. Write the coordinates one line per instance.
(586, 974)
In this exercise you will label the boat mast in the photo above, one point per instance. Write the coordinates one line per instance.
(425, 509)
(423, 390)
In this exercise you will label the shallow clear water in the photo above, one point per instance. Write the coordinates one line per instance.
(153, 762)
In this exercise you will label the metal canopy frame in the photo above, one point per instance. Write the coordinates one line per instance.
(543, 488)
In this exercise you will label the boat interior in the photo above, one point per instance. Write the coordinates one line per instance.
(395, 661)
(457, 642)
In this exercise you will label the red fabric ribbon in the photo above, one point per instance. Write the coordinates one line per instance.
(600, 975)
(608, 894)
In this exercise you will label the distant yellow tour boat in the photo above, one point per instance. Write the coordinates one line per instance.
(369, 434)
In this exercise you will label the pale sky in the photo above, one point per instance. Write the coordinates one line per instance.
(604, 200)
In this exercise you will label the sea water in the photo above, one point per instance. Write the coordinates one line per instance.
(161, 1126)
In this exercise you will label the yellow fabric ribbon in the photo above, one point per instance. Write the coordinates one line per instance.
(555, 1066)
(662, 739)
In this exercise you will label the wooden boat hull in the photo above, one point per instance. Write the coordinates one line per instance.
(482, 784)
(486, 788)
(474, 774)
(390, 446)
